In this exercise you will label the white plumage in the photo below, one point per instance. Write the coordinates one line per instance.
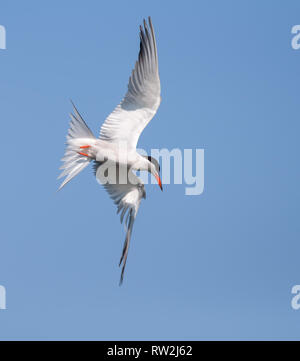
(122, 127)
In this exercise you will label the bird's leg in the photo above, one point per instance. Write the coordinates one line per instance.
(84, 147)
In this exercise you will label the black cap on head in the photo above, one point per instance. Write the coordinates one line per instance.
(155, 162)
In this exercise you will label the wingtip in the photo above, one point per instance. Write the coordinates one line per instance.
(122, 276)
(58, 189)
(145, 23)
(74, 107)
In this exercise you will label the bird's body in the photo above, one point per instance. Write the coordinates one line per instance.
(99, 150)
(114, 152)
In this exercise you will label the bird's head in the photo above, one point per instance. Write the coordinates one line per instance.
(154, 169)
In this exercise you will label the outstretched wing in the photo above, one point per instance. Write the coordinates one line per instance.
(127, 197)
(128, 120)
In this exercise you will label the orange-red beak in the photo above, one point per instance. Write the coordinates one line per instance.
(158, 181)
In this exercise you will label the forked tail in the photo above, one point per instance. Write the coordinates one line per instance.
(79, 140)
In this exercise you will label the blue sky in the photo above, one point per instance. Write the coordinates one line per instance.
(216, 266)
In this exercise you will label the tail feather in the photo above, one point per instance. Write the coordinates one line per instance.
(79, 134)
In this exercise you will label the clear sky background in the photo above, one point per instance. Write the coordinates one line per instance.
(216, 266)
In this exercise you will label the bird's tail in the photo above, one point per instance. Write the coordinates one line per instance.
(80, 140)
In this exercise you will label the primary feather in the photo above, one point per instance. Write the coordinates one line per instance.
(130, 117)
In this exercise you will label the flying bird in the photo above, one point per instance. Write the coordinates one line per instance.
(114, 153)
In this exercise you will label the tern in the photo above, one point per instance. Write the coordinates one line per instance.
(121, 130)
